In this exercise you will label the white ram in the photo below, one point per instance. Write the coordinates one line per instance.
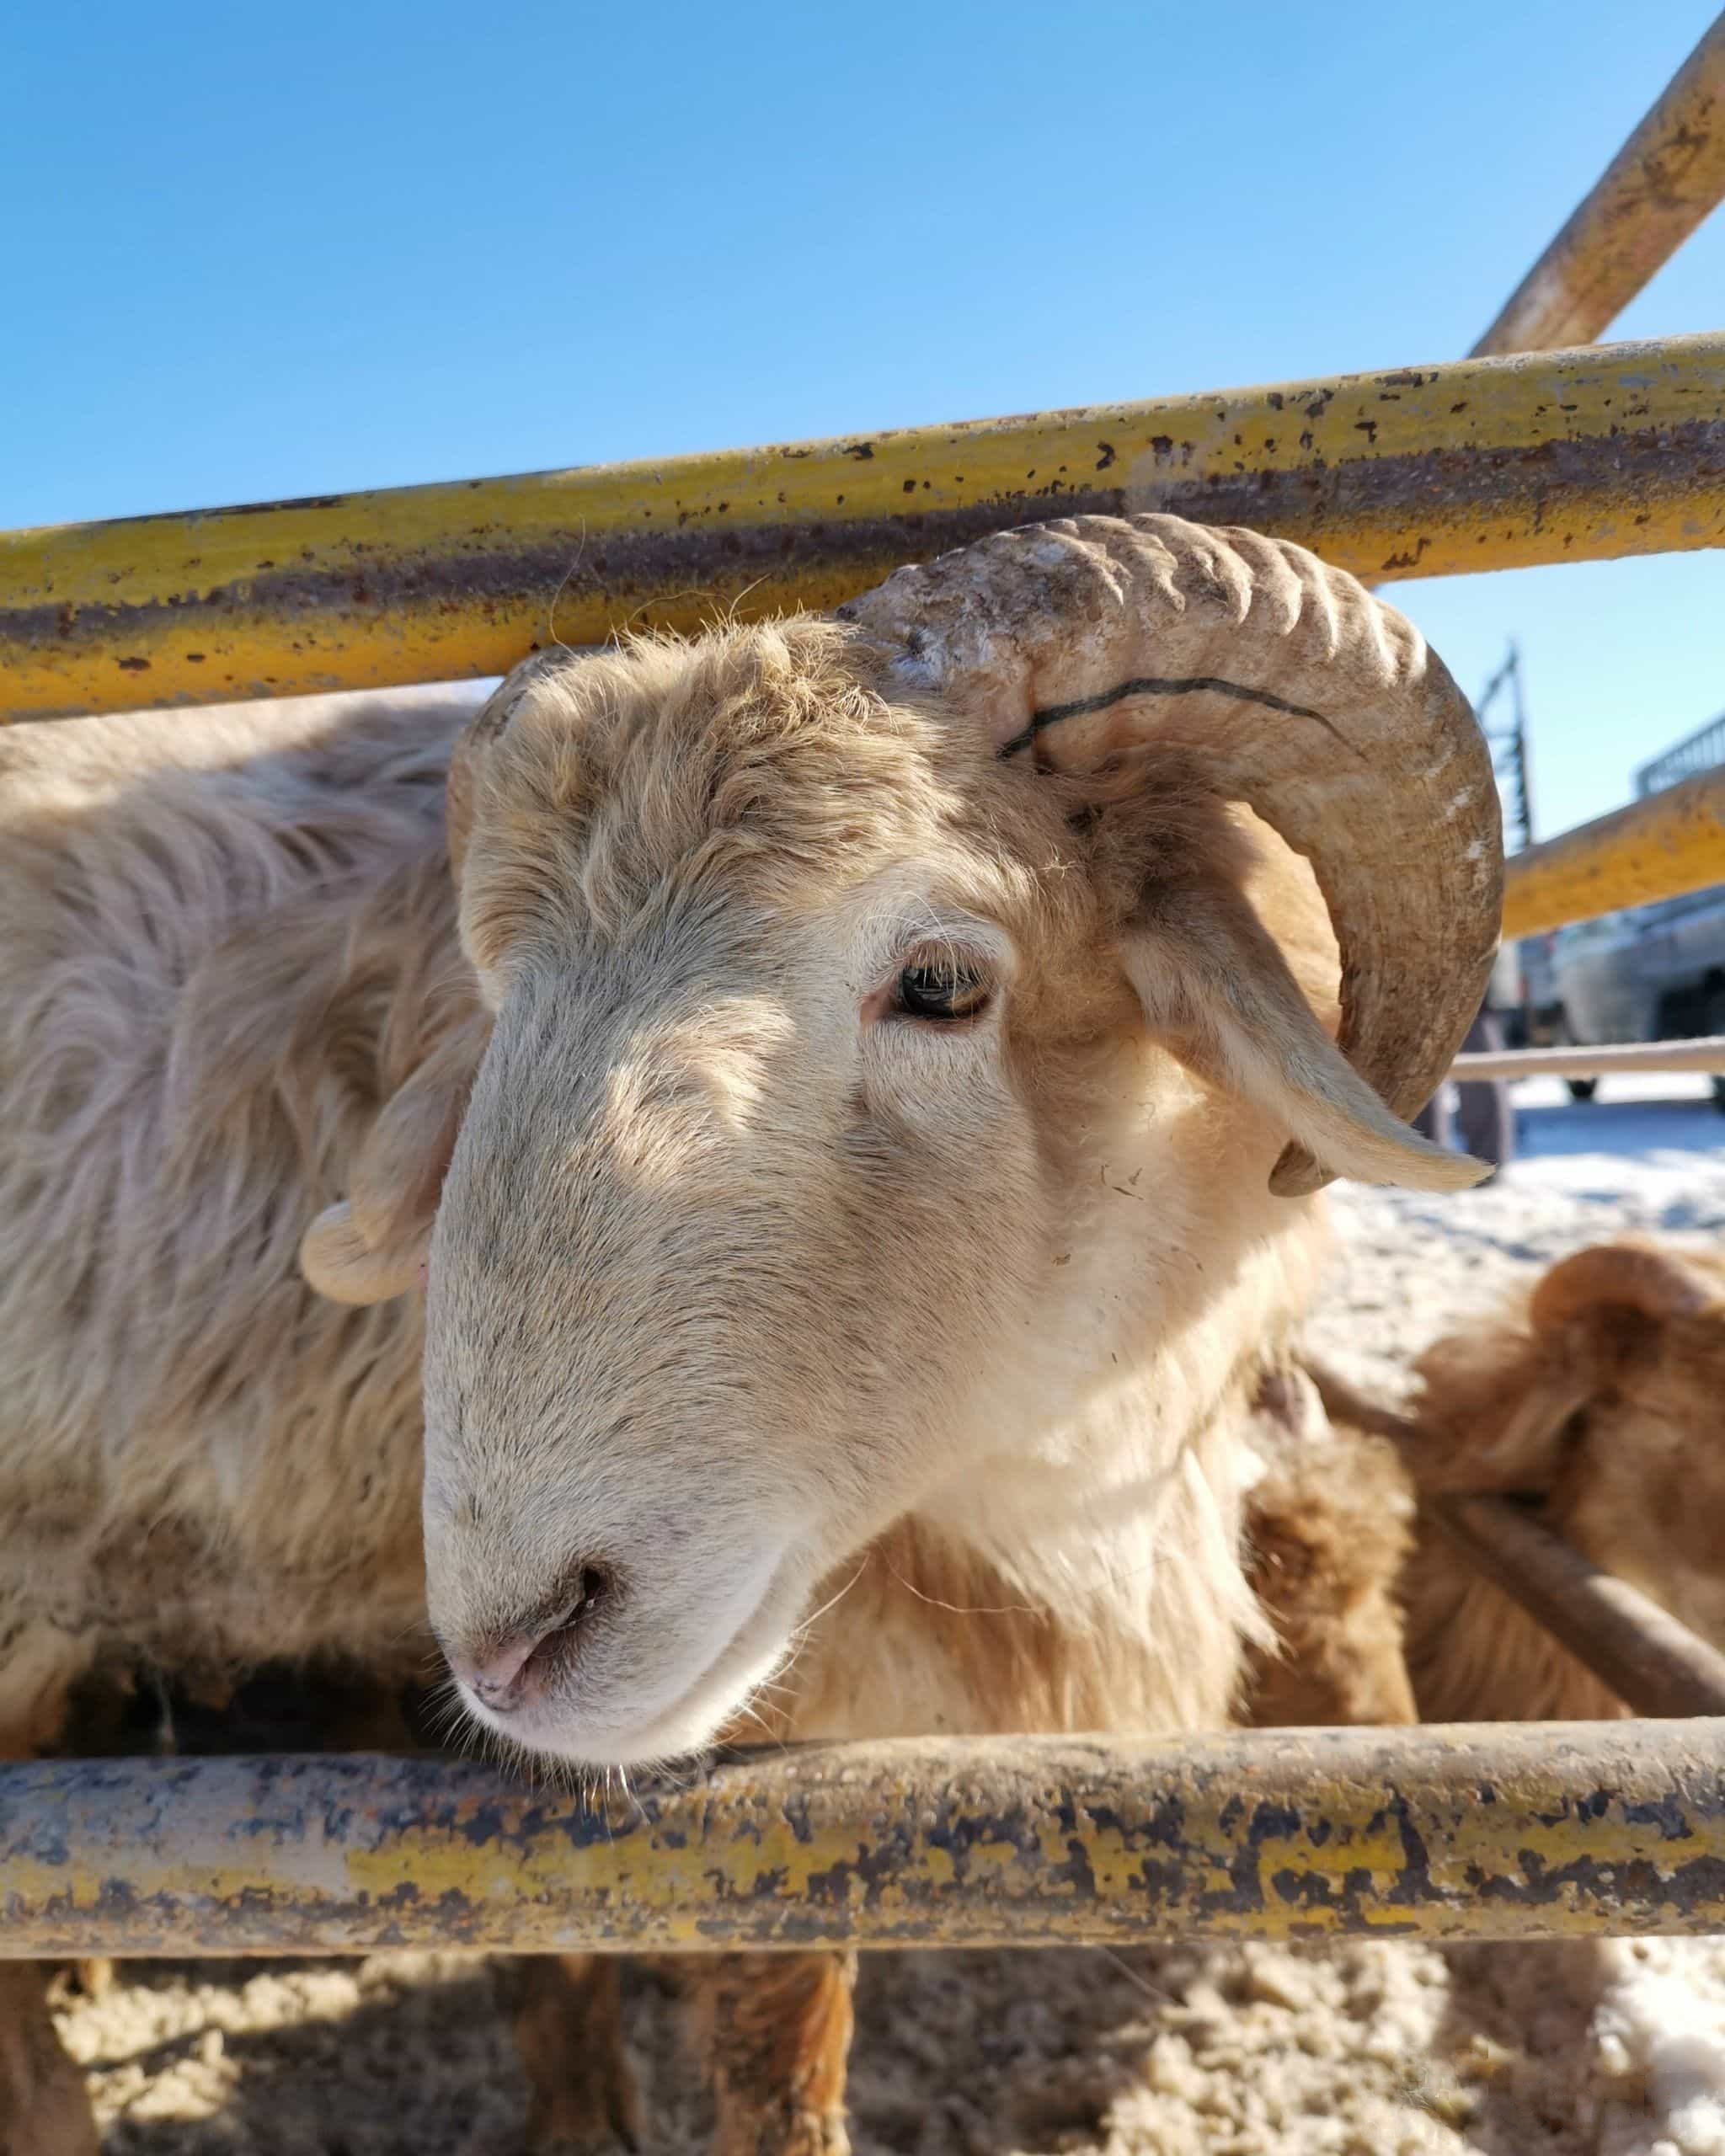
(862, 1128)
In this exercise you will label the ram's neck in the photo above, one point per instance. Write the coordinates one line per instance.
(1078, 1567)
(1130, 1613)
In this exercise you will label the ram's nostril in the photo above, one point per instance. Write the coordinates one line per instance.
(595, 1584)
(513, 1671)
(560, 1641)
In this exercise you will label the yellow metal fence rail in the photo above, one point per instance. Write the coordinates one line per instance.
(1497, 1832)
(1421, 471)
(1658, 848)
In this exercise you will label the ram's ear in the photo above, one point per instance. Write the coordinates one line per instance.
(1215, 987)
(372, 1247)
(1654, 1280)
(340, 1264)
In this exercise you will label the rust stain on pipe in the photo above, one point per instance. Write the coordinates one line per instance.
(1549, 1831)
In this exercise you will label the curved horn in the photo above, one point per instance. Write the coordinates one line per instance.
(1303, 697)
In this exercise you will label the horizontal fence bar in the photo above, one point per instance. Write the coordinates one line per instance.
(1660, 847)
(1421, 471)
(1707, 1055)
(1656, 190)
(1491, 1832)
(1653, 1661)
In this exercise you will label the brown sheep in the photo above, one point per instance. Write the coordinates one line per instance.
(1596, 1394)
(860, 1130)
(1600, 1396)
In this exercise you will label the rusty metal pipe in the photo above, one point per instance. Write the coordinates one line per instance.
(1501, 1831)
(1672, 842)
(1421, 471)
(1653, 1663)
(1660, 185)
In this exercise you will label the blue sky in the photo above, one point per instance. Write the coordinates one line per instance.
(257, 252)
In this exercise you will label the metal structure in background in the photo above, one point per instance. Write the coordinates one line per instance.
(1703, 751)
(1501, 1831)
(1511, 742)
(1533, 1831)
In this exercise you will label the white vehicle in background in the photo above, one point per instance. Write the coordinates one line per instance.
(1646, 974)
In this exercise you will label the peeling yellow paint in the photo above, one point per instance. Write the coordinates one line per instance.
(1548, 1831)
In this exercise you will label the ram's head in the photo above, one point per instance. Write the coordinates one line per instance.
(837, 968)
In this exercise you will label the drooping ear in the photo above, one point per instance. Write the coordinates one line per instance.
(372, 1247)
(1652, 1279)
(1215, 987)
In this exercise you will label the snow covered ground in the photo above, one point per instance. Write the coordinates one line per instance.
(1646, 1156)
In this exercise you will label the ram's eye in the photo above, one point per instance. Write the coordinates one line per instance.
(941, 988)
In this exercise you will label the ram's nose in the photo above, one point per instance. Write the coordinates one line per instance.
(508, 1670)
